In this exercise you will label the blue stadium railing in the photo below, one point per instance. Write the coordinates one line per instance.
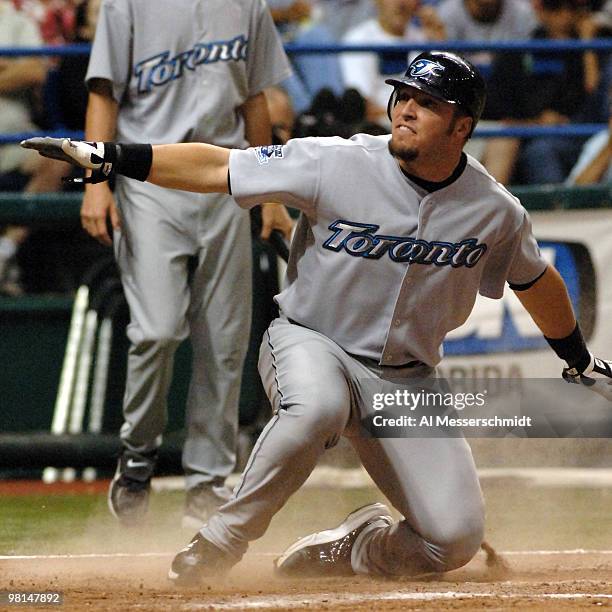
(602, 45)
(554, 46)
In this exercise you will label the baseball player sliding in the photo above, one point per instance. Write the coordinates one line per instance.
(397, 236)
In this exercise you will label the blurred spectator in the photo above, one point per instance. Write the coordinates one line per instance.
(593, 5)
(555, 89)
(288, 15)
(72, 93)
(593, 165)
(56, 24)
(486, 20)
(490, 21)
(595, 162)
(54, 259)
(17, 77)
(300, 21)
(332, 115)
(55, 18)
(340, 16)
(603, 18)
(393, 25)
(10, 275)
(337, 16)
(316, 22)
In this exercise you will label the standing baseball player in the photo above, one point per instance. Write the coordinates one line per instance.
(188, 71)
(397, 236)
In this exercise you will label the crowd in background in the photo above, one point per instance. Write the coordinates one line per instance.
(40, 93)
(332, 94)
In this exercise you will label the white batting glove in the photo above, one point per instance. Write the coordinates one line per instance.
(95, 156)
(596, 368)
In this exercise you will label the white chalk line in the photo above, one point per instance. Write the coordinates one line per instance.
(87, 556)
(523, 553)
(575, 551)
(301, 601)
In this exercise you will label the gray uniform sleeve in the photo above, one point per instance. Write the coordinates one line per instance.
(277, 173)
(111, 47)
(516, 260)
(267, 63)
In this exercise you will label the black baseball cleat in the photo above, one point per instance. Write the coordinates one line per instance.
(128, 495)
(199, 560)
(201, 501)
(328, 553)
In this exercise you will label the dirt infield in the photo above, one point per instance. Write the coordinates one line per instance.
(65, 540)
(537, 581)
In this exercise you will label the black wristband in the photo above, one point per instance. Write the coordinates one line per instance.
(134, 160)
(572, 349)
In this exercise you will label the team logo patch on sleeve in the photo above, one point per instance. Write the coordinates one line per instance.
(266, 152)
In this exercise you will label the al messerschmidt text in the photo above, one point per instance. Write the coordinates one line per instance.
(446, 421)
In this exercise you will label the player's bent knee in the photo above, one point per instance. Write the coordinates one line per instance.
(461, 551)
(324, 421)
(455, 547)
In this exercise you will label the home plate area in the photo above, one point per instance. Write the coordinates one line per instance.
(551, 580)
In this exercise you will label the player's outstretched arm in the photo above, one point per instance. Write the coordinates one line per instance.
(195, 167)
(549, 305)
(191, 167)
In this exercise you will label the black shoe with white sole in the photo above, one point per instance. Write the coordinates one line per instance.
(328, 553)
(201, 501)
(128, 495)
(199, 560)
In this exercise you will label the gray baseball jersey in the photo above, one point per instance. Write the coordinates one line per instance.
(380, 270)
(180, 71)
(379, 265)
(180, 74)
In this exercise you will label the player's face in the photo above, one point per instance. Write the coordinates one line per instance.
(425, 130)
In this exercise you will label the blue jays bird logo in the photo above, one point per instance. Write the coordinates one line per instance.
(267, 152)
(425, 68)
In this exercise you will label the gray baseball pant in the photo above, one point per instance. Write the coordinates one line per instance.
(317, 394)
(161, 231)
